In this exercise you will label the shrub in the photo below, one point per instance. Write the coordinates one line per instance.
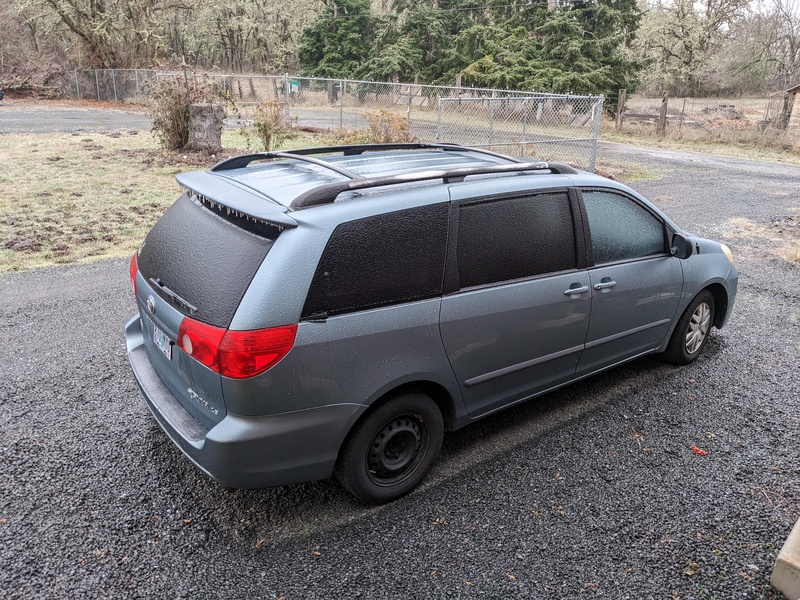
(388, 127)
(346, 137)
(272, 125)
(173, 96)
(385, 127)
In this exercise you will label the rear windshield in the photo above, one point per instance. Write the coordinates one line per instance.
(202, 259)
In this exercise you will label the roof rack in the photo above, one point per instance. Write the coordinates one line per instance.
(327, 194)
(304, 154)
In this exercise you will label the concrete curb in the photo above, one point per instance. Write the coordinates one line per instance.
(786, 574)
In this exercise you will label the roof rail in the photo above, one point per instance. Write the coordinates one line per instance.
(326, 194)
(239, 162)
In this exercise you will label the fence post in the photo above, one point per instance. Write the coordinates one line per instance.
(77, 87)
(114, 83)
(680, 122)
(598, 118)
(661, 126)
(408, 110)
(97, 83)
(524, 124)
(136, 79)
(439, 122)
(766, 118)
(491, 118)
(286, 91)
(786, 114)
(621, 107)
(341, 104)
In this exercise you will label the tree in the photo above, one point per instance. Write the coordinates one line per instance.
(521, 45)
(680, 42)
(338, 41)
(584, 48)
(114, 33)
(28, 48)
(237, 35)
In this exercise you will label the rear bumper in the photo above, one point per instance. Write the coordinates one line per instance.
(242, 451)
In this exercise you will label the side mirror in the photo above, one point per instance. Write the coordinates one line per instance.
(681, 247)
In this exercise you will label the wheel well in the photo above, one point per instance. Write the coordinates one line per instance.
(433, 390)
(720, 303)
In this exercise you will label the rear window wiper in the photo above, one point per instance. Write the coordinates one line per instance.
(176, 299)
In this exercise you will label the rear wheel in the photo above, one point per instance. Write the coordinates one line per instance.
(691, 332)
(392, 450)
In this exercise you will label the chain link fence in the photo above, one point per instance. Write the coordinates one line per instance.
(544, 126)
(553, 127)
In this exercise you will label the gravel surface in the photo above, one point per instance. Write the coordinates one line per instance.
(590, 491)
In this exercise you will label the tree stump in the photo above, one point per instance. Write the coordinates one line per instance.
(205, 129)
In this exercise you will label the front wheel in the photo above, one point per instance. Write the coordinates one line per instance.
(392, 450)
(691, 332)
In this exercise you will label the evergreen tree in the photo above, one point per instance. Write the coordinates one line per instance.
(338, 42)
(579, 46)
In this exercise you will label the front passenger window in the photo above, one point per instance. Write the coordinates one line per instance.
(621, 229)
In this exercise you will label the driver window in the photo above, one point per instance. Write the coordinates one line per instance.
(620, 228)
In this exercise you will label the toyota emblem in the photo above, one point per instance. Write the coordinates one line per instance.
(151, 305)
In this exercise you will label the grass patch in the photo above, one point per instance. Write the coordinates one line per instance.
(735, 144)
(67, 198)
(783, 233)
(625, 171)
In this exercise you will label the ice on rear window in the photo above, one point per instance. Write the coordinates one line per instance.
(206, 256)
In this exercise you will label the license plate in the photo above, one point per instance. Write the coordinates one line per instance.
(162, 341)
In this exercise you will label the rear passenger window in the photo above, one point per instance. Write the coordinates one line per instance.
(621, 228)
(502, 240)
(387, 259)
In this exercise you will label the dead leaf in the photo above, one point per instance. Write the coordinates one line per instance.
(698, 451)
(637, 436)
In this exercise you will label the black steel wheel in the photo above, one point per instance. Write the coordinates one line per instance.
(692, 331)
(389, 452)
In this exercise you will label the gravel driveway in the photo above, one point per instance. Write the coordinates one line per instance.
(590, 491)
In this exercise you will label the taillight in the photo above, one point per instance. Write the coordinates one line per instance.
(235, 354)
(134, 268)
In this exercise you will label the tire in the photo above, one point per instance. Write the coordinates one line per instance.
(391, 451)
(692, 331)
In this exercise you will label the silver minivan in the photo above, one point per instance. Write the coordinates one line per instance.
(335, 310)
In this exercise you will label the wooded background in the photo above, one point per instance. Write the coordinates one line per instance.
(681, 47)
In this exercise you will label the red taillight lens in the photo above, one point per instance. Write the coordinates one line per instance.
(201, 342)
(235, 354)
(134, 268)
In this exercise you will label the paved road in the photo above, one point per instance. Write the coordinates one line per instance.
(28, 118)
(589, 491)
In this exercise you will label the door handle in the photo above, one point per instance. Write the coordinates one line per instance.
(575, 292)
(606, 283)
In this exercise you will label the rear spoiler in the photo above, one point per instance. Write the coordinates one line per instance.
(236, 198)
